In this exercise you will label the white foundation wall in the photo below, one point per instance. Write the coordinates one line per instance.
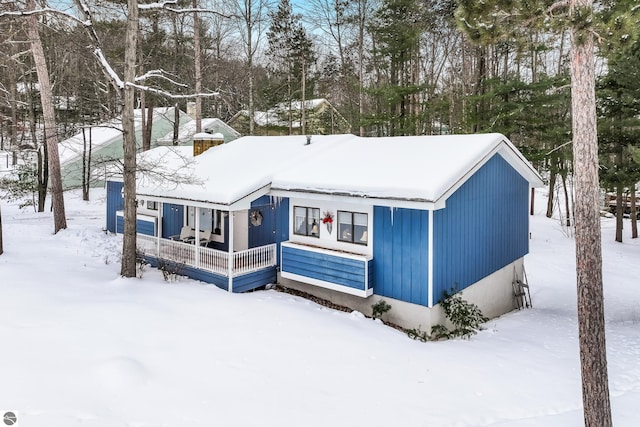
(493, 295)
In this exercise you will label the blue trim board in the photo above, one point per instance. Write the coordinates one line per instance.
(484, 227)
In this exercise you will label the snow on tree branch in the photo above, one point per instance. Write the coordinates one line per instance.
(42, 11)
(158, 74)
(170, 95)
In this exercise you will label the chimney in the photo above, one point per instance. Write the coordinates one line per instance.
(203, 141)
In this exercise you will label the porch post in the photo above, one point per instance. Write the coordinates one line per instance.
(230, 266)
(159, 236)
(196, 242)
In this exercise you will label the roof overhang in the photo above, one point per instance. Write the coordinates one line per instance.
(243, 203)
(353, 198)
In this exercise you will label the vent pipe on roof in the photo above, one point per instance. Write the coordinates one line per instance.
(308, 140)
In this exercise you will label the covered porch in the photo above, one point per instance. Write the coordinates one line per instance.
(233, 247)
(233, 271)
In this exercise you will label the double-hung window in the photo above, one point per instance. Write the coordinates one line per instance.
(353, 227)
(306, 221)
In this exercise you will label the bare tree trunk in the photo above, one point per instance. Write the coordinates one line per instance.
(86, 163)
(552, 189)
(176, 123)
(362, 24)
(198, 67)
(146, 135)
(567, 206)
(51, 136)
(13, 103)
(250, 51)
(43, 177)
(128, 268)
(634, 214)
(593, 351)
(532, 201)
(620, 207)
(303, 106)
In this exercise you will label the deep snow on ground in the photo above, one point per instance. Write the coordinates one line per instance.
(81, 346)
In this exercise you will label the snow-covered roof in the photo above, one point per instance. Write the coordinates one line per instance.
(102, 135)
(229, 172)
(415, 169)
(409, 168)
(188, 129)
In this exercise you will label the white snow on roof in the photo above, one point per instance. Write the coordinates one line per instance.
(228, 172)
(416, 168)
(101, 135)
(421, 168)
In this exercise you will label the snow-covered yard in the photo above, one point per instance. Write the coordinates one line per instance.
(81, 346)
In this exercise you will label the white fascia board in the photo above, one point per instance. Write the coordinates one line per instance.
(516, 161)
(362, 200)
(238, 205)
(327, 285)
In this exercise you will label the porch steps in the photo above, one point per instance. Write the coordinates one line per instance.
(521, 290)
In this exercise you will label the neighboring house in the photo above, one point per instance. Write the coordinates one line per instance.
(321, 118)
(353, 220)
(105, 144)
(208, 125)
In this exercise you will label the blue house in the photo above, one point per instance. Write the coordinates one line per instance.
(353, 220)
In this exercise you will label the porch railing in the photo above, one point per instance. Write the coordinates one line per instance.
(208, 259)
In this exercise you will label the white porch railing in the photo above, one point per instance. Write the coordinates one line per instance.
(209, 259)
(254, 259)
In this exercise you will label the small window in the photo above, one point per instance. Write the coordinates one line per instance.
(152, 205)
(353, 227)
(306, 221)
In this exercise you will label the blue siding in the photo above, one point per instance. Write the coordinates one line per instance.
(329, 268)
(142, 226)
(275, 223)
(484, 227)
(400, 254)
(264, 233)
(115, 203)
(248, 282)
(172, 219)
